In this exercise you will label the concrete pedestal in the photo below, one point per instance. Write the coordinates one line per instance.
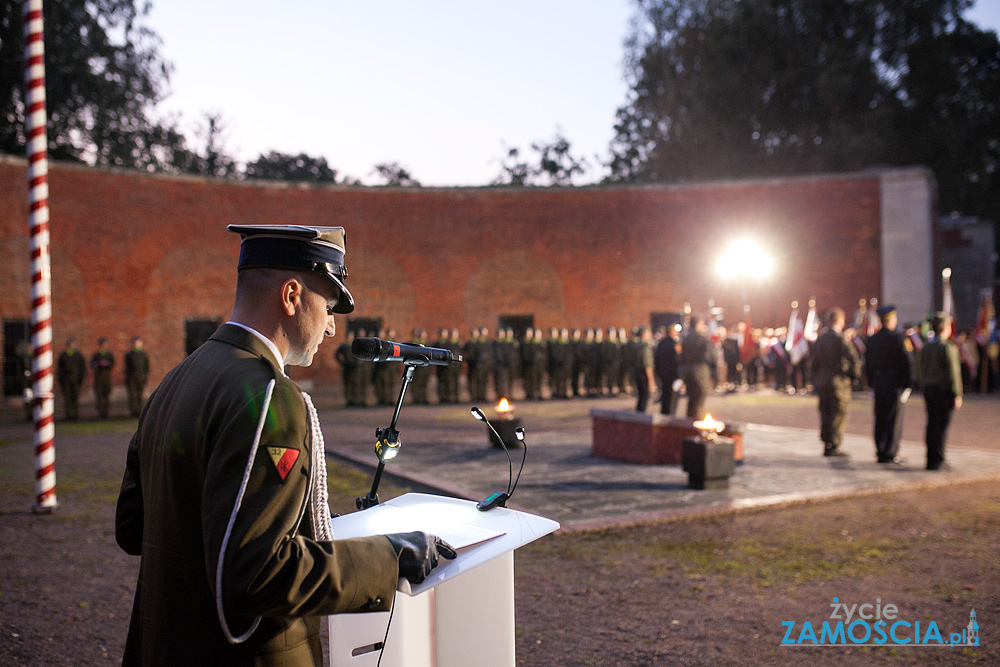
(708, 463)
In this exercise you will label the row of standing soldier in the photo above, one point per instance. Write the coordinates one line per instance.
(71, 371)
(594, 362)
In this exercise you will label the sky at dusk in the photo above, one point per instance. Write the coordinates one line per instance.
(442, 87)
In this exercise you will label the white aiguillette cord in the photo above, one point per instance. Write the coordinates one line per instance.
(232, 520)
(319, 505)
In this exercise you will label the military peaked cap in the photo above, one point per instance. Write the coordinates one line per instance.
(299, 248)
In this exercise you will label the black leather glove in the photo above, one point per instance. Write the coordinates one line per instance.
(418, 552)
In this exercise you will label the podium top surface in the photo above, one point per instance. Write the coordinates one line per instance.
(489, 534)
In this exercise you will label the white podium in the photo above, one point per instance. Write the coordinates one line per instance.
(463, 613)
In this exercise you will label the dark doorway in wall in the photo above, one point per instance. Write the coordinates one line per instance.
(197, 332)
(370, 325)
(657, 320)
(519, 323)
(16, 343)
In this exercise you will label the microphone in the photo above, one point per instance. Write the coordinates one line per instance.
(376, 349)
(500, 498)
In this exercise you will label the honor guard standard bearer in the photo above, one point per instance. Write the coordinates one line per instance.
(224, 494)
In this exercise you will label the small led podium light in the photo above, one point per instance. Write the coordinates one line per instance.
(519, 433)
(386, 447)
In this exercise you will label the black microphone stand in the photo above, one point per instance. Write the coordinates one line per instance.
(388, 438)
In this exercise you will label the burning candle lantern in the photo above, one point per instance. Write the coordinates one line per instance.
(709, 428)
(505, 424)
(708, 458)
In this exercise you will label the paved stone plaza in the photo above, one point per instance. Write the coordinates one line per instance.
(446, 449)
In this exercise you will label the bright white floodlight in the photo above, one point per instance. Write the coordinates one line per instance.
(744, 258)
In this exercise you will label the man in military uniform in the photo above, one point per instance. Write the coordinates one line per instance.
(364, 376)
(224, 491)
(443, 373)
(560, 364)
(539, 363)
(611, 361)
(887, 367)
(503, 350)
(136, 375)
(101, 363)
(421, 374)
(348, 369)
(642, 374)
(481, 347)
(835, 365)
(453, 371)
(70, 371)
(578, 349)
(387, 375)
(591, 362)
(941, 374)
(696, 361)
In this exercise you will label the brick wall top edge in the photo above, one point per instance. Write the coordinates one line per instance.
(893, 173)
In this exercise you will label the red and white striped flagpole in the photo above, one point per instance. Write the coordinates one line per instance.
(41, 283)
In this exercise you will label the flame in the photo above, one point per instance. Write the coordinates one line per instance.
(709, 425)
(503, 405)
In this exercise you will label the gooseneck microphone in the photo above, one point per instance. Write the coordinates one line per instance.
(376, 349)
(500, 498)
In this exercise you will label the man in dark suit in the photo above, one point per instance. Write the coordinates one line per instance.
(887, 367)
(224, 492)
(666, 369)
(835, 365)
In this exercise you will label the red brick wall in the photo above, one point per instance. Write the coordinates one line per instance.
(134, 253)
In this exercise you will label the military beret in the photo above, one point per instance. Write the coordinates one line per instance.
(299, 248)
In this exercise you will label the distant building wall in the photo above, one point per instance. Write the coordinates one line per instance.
(907, 242)
(144, 254)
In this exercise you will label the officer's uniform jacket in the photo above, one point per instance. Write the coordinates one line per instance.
(185, 467)
(834, 363)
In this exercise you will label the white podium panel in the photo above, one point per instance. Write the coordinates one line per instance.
(463, 613)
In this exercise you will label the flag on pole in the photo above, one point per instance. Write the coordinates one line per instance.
(985, 320)
(948, 299)
(795, 343)
(861, 316)
(872, 321)
(812, 322)
(749, 348)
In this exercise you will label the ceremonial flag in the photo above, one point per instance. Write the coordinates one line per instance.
(948, 300)
(872, 322)
(748, 346)
(985, 321)
(812, 323)
(861, 316)
(796, 344)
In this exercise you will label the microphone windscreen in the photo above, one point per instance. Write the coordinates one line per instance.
(366, 349)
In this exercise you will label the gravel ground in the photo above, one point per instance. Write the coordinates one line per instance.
(707, 591)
